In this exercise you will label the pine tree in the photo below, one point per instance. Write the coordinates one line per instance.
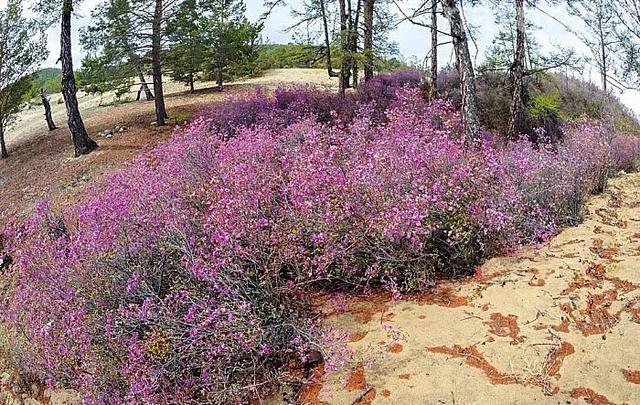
(187, 50)
(114, 46)
(22, 49)
(232, 38)
(470, 115)
(598, 34)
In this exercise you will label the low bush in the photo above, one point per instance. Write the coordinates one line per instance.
(183, 277)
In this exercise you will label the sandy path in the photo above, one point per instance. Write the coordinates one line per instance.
(555, 324)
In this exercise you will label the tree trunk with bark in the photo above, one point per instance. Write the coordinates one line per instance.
(517, 75)
(81, 141)
(367, 46)
(327, 40)
(603, 51)
(47, 110)
(135, 60)
(144, 87)
(433, 91)
(354, 44)
(465, 69)
(3, 146)
(345, 43)
(156, 63)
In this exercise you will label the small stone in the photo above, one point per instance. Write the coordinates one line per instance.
(64, 397)
(5, 378)
(36, 390)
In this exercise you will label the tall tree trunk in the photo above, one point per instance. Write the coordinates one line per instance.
(603, 51)
(81, 141)
(367, 46)
(354, 44)
(47, 110)
(345, 69)
(517, 74)
(327, 40)
(434, 49)
(156, 63)
(465, 69)
(191, 86)
(3, 145)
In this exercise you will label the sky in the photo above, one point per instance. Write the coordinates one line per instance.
(413, 41)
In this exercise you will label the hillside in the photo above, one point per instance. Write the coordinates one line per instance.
(550, 99)
(48, 79)
(43, 157)
(279, 56)
(321, 219)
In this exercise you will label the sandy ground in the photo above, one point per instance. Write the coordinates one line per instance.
(554, 324)
(31, 120)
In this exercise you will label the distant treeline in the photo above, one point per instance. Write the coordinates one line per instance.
(48, 79)
(279, 56)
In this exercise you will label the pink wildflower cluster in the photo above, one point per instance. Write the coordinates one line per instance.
(183, 277)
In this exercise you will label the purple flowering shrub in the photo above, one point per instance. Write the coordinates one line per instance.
(381, 89)
(127, 303)
(183, 277)
(291, 104)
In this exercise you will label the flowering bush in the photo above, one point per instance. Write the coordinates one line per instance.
(182, 278)
(288, 105)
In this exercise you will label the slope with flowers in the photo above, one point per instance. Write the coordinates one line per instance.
(186, 276)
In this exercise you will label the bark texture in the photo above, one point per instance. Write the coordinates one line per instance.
(144, 87)
(465, 70)
(345, 44)
(367, 45)
(47, 110)
(354, 44)
(327, 40)
(3, 145)
(434, 49)
(156, 63)
(81, 141)
(517, 74)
